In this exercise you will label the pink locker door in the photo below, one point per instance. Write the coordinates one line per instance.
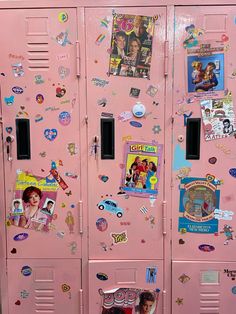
(39, 94)
(113, 275)
(125, 217)
(204, 104)
(204, 287)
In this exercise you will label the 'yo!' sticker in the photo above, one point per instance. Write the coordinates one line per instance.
(26, 271)
(64, 118)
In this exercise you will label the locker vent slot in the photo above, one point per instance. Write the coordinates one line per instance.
(193, 138)
(38, 56)
(44, 300)
(107, 138)
(209, 303)
(23, 138)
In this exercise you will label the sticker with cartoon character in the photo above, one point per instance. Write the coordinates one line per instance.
(199, 198)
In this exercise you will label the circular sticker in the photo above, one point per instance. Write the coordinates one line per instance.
(26, 271)
(102, 276)
(21, 236)
(101, 224)
(17, 90)
(212, 160)
(39, 98)
(234, 290)
(206, 248)
(63, 17)
(64, 118)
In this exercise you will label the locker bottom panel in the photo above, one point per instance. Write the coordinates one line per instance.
(122, 284)
(203, 287)
(44, 286)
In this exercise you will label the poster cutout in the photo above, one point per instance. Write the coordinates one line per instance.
(141, 173)
(205, 68)
(129, 301)
(34, 202)
(198, 200)
(218, 118)
(131, 45)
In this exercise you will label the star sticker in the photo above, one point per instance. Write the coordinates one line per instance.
(179, 301)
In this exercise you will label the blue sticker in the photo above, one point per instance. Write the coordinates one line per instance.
(21, 236)
(64, 118)
(234, 290)
(206, 248)
(26, 271)
(136, 124)
(232, 172)
(50, 134)
(9, 100)
(179, 158)
(102, 276)
(151, 274)
(17, 90)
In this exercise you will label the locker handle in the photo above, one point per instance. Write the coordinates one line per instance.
(81, 304)
(77, 58)
(164, 301)
(164, 229)
(80, 217)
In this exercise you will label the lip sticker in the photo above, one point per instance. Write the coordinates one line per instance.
(21, 236)
(50, 134)
(206, 248)
(26, 271)
(17, 90)
(65, 118)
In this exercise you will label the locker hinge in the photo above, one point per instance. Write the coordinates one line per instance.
(164, 232)
(81, 217)
(166, 57)
(164, 301)
(81, 303)
(77, 58)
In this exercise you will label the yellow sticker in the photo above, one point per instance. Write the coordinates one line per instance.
(63, 17)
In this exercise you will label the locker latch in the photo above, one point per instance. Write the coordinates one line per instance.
(164, 230)
(166, 57)
(77, 58)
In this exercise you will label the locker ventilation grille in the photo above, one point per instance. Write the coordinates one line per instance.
(38, 56)
(44, 301)
(209, 303)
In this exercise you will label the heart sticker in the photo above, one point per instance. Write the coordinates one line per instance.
(65, 287)
(103, 178)
(50, 134)
(9, 129)
(18, 302)
(13, 251)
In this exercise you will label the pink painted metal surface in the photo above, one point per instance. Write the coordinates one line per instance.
(203, 287)
(44, 285)
(208, 232)
(40, 84)
(141, 221)
(114, 274)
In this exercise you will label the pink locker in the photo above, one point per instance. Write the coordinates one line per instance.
(203, 223)
(42, 163)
